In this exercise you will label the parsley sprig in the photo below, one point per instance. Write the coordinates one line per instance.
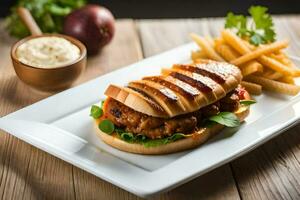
(259, 32)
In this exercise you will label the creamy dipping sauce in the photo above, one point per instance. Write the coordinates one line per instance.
(47, 52)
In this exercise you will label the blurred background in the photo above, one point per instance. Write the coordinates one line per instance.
(145, 9)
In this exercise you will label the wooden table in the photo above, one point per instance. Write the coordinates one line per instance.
(272, 171)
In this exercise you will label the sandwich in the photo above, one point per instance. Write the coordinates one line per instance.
(177, 110)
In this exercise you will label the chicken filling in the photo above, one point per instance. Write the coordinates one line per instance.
(155, 127)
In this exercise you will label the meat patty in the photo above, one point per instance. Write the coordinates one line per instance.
(154, 127)
(139, 123)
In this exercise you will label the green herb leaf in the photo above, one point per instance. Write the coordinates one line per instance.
(106, 126)
(144, 140)
(162, 141)
(49, 15)
(155, 142)
(58, 10)
(256, 39)
(260, 16)
(247, 102)
(260, 33)
(237, 21)
(176, 136)
(226, 118)
(102, 102)
(96, 112)
(119, 131)
(263, 21)
(141, 138)
(128, 137)
(270, 35)
(208, 123)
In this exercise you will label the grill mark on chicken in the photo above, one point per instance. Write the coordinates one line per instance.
(172, 86)
(152, 101)
(223, 70)
(219, 79)
(186, 87)
(193, 82)
(163, 95)
(166, 95)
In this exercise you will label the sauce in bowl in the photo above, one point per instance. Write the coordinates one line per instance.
(47, 52)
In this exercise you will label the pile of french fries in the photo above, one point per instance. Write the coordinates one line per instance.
(263, 67)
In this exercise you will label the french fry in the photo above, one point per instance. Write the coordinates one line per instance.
(219, 41)
(250, 46)
(276, 66)
(287, 79)
(229, 54)
(210, 40)
(275, 76)
(271, 74)
(251, 68)
(238, 44)
(198, 54)
(206, 47)
(235, 42)
(282, 58)
(264, 67)
(267, 72)
(266, 49)
(296, 73)
(252, 88)
(226, 51)
(274, 86)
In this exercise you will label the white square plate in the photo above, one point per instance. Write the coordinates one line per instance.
(141, 175)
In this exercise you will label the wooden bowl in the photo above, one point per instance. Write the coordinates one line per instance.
(52, 79)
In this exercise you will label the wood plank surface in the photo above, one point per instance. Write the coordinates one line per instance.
(269, 172)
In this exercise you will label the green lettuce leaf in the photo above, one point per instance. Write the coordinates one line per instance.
(228, 119)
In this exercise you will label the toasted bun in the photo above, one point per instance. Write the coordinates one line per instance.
(179, 90)
(193, 141)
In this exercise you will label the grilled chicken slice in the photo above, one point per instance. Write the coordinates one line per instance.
(179, 90)
(228, 77)
(209, 88)
(165, 97)
(186, 93)
(136, 100)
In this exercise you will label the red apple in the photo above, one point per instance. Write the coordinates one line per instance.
(92, 24)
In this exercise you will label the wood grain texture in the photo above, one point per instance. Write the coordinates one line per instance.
(172, 34)
(271, 171)
(157, 38)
